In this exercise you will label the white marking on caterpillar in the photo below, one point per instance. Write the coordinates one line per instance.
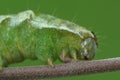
(39, 22)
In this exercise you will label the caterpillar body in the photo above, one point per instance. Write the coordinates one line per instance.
(44, 37)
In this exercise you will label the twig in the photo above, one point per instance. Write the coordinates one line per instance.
(62, 70)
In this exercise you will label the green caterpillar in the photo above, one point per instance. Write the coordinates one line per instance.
(44, 37)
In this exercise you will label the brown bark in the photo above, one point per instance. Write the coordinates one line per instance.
(62, 70)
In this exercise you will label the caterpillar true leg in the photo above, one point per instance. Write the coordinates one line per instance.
(45, 55)
(49, 61)
(73, 54)
(64, 57)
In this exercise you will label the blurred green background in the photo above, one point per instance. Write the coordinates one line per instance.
(100, 16)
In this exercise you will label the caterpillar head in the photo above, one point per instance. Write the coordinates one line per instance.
(88, 47)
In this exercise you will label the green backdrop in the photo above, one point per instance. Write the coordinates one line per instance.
(100, 16)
